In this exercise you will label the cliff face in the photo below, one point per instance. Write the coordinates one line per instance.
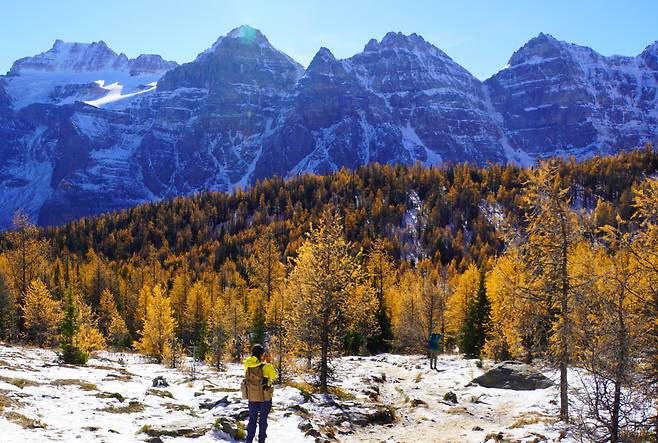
(84, 130)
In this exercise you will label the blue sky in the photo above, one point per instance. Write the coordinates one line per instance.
(481, 35)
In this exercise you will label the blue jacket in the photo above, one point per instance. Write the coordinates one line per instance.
(434, 341)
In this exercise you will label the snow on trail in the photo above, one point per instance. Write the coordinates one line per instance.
(410, 381)
(41, 401)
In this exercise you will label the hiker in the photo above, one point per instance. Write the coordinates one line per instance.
(434, 345)
(259, 376)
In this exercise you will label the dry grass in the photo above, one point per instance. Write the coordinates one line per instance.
(178, 407)
(73, 382)
(114, 395)
(6, 401)
(221, 389)
(130, 408)
(531, 419)
(308, 389)
(119, 377)
(25, 422)
(18, 382)
(160, 393)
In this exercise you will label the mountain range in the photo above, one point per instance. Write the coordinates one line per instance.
(84, 130)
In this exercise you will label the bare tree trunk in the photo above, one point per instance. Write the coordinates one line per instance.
(620, 369)
(566, 326)
(324, 369)
(614, 419)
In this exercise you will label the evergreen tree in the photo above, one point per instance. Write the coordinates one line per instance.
(8, 323)
(266, 274)
(197, 312)
(71, 353)
(383, 276)
(476, 323)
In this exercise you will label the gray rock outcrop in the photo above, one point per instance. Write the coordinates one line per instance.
(513, 375)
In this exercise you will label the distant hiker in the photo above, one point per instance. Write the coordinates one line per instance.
(433, 344)
(257, 388)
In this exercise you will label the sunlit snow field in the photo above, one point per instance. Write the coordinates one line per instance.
(43, 401)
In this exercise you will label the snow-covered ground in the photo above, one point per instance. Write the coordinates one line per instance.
(112, 400)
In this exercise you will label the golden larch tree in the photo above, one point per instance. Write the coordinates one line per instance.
(159, 324)
(41, 314)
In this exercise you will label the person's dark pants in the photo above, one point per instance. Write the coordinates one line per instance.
(258, 411)
(433, 356)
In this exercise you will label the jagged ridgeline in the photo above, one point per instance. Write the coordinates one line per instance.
(446, 214)
(86, 130)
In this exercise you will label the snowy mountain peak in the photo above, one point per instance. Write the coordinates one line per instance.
(246, 34)
(243, 35)
(73, 57)
(244, 55)
(650, 55)
(246, 111)
(325, 63)
(150, 63)
(652, 48)
(324, 54)
(539, 48)
(372, 45)
(398, 40)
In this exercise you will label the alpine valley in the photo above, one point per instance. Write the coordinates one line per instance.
(84, 130)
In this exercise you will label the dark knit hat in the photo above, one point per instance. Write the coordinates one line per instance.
(257, 351)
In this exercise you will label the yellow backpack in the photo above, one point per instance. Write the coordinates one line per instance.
(254, 385)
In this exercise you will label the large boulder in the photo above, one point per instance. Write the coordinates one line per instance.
(513, 375)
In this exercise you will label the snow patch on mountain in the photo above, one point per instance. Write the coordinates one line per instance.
(116, 94)
(70, 72)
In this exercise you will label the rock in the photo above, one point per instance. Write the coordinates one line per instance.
(513, 375)
(233, 428)
(497, 437)
(243, 111)
(477, 428)
(418, 402)
(383, 416)
(312, 433)
(379, 379)
(450, 397)
(210, 404)
(160, 382)
(305, 426)
(299, 408)
(242, 415)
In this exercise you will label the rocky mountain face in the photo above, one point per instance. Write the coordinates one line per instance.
(85, 130)
(557, 97)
